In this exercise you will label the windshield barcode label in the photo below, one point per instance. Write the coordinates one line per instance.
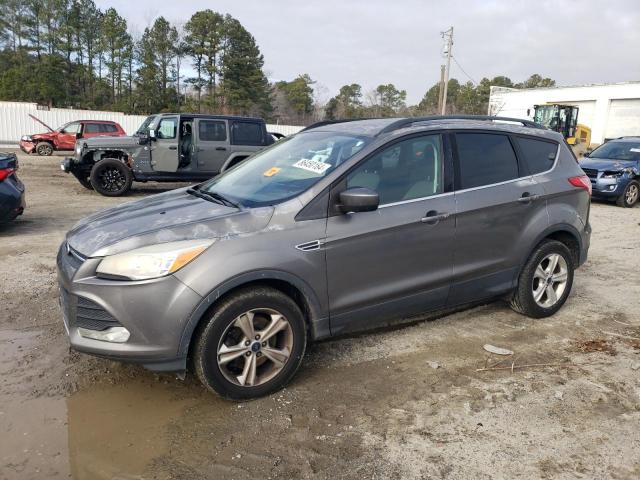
(312, 165)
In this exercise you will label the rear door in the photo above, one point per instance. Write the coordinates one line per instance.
(396, 261)
(92, 130)
(498, 203)
(211, 145)
(164, 149)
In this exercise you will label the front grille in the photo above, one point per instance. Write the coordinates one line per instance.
(590, 172)
(92, 316)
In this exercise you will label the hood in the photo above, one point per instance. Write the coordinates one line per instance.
(170, 216)
(44, 136)
(607, 164)
(111, 142)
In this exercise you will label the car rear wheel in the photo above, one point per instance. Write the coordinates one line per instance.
(252, 344)
(111, 177)
(545, 281)
(630, 196)
(44, 149)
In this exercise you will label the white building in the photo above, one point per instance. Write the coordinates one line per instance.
(610, 110)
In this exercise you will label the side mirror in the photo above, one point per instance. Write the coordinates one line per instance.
(587, 153)
(152, 133)
(359, 199)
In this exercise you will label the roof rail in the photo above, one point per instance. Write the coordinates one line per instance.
(406, 122)
(331, 122)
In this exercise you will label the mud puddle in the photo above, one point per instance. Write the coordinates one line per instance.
(105, 432)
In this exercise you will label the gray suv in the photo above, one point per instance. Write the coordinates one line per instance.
(168, 147)
(342, 227)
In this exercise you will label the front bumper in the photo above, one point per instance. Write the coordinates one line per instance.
(609, 187)
(67, 165)
(154, 312)
(27, 146)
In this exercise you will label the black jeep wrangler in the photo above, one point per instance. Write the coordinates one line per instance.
(168, 147)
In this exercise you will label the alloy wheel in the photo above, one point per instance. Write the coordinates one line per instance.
(631, 196)
(550, 280)
(255, 347)
(112, 179)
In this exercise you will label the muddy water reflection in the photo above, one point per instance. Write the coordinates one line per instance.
(117, 431)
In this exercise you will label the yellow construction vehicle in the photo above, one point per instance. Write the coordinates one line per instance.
(563, 119)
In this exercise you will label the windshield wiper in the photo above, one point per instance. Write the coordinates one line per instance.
(212, 197)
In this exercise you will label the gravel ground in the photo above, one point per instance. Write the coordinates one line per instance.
(410, 402)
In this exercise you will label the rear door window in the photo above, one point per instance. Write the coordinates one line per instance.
(92, 128)
(538, 155)
(108, 128)
(484, 159)
(246, 133)
(212, 130)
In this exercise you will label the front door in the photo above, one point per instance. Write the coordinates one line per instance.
(67, 136)
(164, 149)
(212, 145)
(397, 261)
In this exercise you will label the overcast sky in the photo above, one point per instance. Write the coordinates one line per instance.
(398, 41)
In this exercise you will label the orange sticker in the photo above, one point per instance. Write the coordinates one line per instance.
(272, 171)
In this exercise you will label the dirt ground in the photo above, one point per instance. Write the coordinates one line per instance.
(410, 403)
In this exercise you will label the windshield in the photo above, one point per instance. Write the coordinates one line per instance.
(286, 169)
(618, 151)
(144, 128)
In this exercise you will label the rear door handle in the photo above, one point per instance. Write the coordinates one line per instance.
(528, 198)
(432, 217)
(173, 147)
(222, 149)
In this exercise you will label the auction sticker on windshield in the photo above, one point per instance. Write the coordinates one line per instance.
(312, 165)
(272, 171)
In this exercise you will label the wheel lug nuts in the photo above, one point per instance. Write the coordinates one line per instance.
(258, 354)
(264, 344)
(247, 343)
(248, 354)
(257, 337)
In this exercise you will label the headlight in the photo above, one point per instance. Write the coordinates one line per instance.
(153, 261)
(617, 174)
(26, 138)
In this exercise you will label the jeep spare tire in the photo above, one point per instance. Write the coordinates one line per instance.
(44, 149)
(111, 177)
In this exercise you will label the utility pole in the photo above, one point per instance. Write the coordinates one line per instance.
(441, 88)
(448, 38)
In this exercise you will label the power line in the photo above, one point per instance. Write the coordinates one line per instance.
(460, 67)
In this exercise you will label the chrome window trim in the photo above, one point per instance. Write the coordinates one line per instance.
(413, 200)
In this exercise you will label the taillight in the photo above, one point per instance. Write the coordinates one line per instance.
(5, 172)
(581, 181)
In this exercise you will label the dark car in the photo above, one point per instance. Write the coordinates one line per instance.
(339, 228)
(65, 137)
(614, 170)
(11, 188)
(168, 147)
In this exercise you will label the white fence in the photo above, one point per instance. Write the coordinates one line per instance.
(15, 120)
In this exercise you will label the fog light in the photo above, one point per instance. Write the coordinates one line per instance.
(612, 187)
(113, 334)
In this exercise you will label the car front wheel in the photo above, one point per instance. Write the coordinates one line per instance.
(111, 177)
(545, 281)
(251, 345)
(44, 149)
(630, 195)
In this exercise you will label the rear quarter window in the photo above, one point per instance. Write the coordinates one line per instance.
(538, 155)
(246, 133)
(485, 159)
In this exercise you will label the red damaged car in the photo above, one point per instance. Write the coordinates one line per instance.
(64, 137)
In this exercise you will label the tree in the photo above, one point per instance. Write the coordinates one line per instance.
(114, 40)
(536, 81)
(388, 100)
(245, 88)
(347, 104)
(294, 100)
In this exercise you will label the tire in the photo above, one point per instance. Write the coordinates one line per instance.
(221, 331)
(630, 195)
(111, 177)
(44, 149)
(84, 180)
(532, 281)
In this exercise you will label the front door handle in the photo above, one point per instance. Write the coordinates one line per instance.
(173, 147)
(222, 149)
(432, 217)
(528, 198)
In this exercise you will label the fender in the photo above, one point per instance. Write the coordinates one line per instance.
(318, 323)
(556, 228)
